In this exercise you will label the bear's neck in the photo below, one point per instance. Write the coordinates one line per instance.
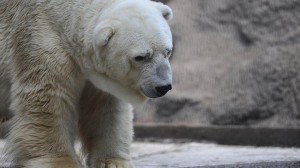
(66, 16)
(76, 19)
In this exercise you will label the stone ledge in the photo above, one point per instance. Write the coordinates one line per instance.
(232, 135)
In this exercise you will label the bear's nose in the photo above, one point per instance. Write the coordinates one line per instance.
(162, 90)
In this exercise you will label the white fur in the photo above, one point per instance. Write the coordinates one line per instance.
(51, 52)
(111, 86)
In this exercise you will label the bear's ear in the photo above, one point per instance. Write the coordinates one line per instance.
(165, 10)
(102, 35)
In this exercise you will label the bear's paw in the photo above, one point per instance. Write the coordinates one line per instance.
(115, 163)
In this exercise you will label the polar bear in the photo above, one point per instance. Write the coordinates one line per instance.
(74, 69)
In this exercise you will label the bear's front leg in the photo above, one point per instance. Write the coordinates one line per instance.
(105, 124)
(45, 122)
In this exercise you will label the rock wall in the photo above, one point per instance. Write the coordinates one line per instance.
(235, 62)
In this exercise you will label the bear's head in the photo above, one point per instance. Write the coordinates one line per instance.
(132, 45)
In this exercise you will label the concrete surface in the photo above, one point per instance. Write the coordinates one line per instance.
(156, 155)
(208, 155)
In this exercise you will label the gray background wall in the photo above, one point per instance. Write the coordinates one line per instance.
(235, 62)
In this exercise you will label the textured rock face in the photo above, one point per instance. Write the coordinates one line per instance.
(236, 62)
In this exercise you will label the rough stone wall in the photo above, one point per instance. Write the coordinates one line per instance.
(236, 62)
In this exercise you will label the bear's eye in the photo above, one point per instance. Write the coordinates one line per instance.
(139, 58)
(168, 52)
(142, 57)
